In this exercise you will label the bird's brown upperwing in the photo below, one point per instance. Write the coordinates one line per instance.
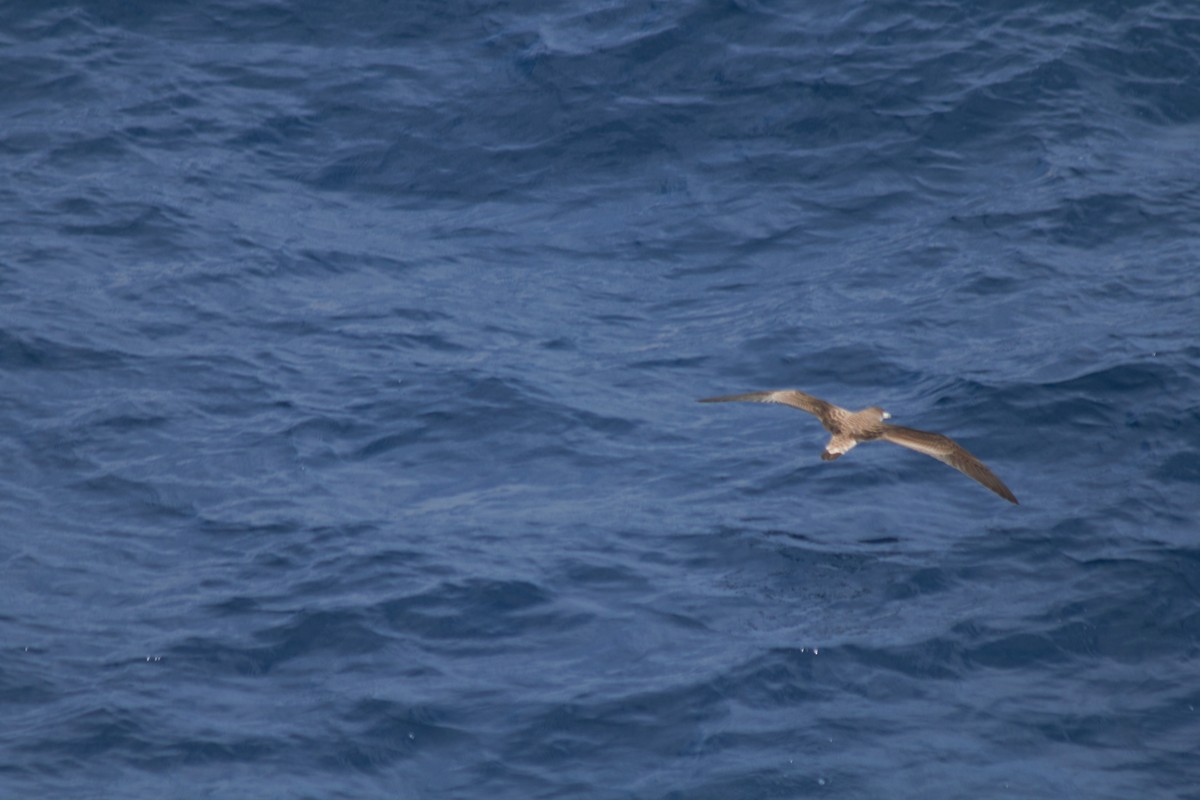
(948, 451)
(828, 413)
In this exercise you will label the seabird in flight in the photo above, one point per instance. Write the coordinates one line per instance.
(849, 428)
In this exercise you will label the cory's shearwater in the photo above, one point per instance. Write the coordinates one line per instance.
(849, 428)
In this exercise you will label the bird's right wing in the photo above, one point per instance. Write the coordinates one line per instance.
(788, 397)
(950, 452)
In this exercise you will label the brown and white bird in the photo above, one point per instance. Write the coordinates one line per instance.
(849, 428)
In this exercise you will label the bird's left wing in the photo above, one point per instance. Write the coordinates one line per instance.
(789, 397)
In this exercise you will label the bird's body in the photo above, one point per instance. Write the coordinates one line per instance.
(850, 428)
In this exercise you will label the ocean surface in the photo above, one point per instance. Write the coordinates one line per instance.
(348, 364)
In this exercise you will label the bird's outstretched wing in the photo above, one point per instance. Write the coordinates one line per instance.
(948, 451)
(826, 412)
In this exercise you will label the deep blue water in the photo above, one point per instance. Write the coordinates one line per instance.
(348, 359)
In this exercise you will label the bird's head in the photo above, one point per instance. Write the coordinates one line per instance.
(882, 414)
